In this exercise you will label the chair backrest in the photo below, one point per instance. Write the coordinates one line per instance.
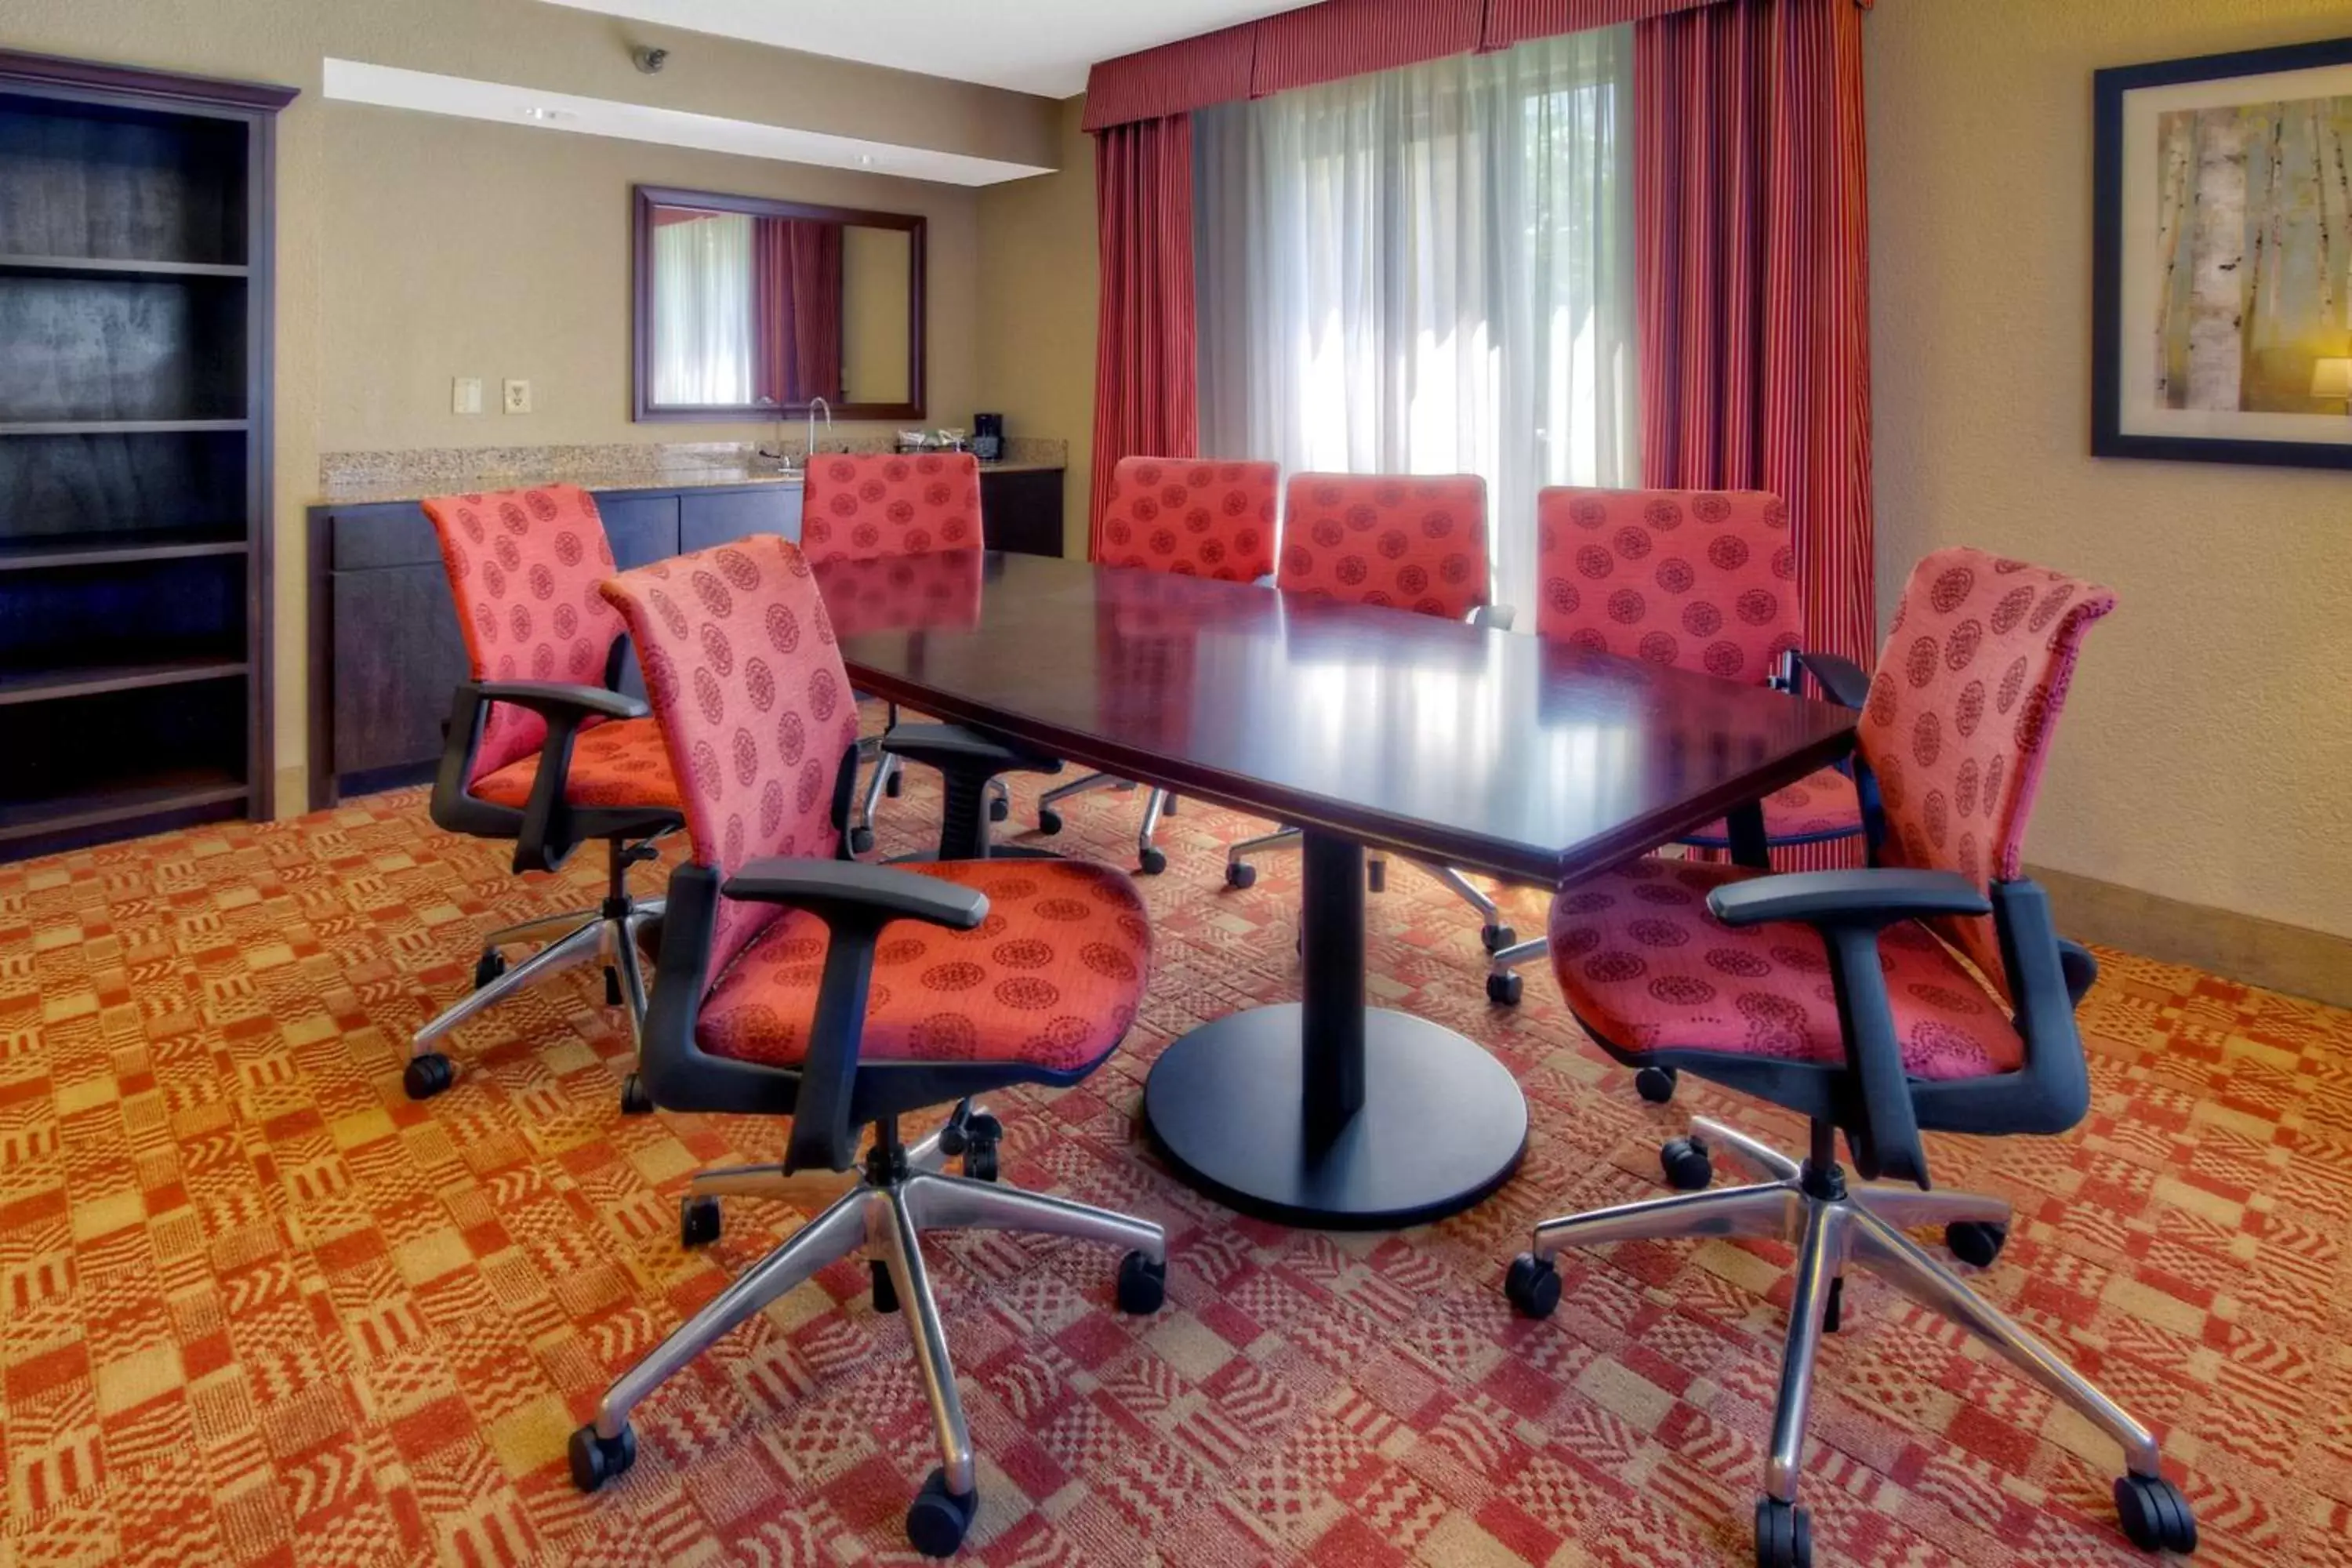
(523, 566)
(1190, 516)
(1416, 543)
(858, 506)
(747, 684)
(1959, 716)
(1697, 579)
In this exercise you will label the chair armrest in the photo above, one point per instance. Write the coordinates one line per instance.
(1496, 617)
(1846, 682)
(854, 901)
(549, 699)
(1849, 909)
(1871, 899)
(952, 748)
(819, 886)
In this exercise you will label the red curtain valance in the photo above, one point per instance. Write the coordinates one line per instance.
(1327, 42)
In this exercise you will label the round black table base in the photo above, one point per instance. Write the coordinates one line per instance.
(1441, 1125)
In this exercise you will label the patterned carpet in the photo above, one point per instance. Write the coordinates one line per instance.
(257, 1308)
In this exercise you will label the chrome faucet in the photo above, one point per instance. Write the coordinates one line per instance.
(814, 404)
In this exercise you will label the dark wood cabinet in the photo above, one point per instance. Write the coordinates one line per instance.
(135, 255)
(1021, 508)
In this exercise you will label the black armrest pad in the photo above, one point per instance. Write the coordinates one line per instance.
(881, 890)
(941, 745)
(1846, 682)
(551, 699)
(1854, 897)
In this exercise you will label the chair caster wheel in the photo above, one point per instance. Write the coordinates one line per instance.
(1655, 1085)
(1049, 821)
(979, 1162)
(861, 841)
(1688, 1166)
(488, 967)
(1976, 1243)
(885, 1293)
(1142, 1285)
(596, 1460)
(1504, 989)
(1532, 1284)
(999, 808)
(698, 1220)
(938, 1518)
(1239, 874)
(896, 784)
(2154, 1515)
(1784, 1535)
(1494, 939)
(635, 1100)
(427, 1075)
(1151, 862)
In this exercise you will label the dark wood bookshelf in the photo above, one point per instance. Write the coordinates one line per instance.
(136, 295)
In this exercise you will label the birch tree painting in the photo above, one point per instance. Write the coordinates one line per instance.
(2254, 247)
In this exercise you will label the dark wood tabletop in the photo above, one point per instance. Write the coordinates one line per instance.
(1486, 750)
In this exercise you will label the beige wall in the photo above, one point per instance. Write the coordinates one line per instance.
(1037, 302)
(2207, 752)
(411, 249)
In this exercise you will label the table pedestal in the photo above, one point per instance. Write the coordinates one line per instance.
(1326, 1113)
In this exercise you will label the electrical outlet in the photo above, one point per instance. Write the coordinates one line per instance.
(465, 395)
(517, 397)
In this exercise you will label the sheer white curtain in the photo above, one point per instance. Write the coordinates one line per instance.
(703, 328)
(1428, 270)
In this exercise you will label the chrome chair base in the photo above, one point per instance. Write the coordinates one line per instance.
(574, 938)
(1496, 936)
(882, 1217)
(1836, 1226)
(1148, 857)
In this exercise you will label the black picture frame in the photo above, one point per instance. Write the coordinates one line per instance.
(2109, 89)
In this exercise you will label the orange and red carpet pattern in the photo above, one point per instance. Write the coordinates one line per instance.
(257, 1308)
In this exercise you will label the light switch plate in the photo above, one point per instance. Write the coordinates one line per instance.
(517, 397)
(465, 395)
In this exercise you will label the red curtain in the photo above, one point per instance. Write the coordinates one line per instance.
(1753, 260)
(796, 302)
(1147, 397)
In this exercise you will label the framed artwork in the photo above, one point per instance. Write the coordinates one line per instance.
(2222, 259)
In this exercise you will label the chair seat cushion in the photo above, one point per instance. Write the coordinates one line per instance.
(1050, 979)
(619, 764)
(1646, 966)
(1818, 806)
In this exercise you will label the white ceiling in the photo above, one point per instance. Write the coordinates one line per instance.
(353, 81)
(1029, 46)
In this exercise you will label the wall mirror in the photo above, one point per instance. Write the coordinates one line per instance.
(750, 308)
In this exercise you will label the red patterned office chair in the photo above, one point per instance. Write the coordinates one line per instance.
(541, 750)
(1930, 992)
(1194, 518)
(873, 506)
(1700, 580)
(793, 982)
(1413, 543)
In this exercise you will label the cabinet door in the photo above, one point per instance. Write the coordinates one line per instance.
(707, 518)
(399, 657)
(1023, 510)
(641, 528)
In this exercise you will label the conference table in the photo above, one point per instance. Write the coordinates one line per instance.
(1368, 728)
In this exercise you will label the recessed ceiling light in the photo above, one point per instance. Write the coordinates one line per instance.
(533, 111)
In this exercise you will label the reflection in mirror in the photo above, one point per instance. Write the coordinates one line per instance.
(749, 307)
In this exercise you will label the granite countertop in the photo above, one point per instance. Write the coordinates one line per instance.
(360, 478)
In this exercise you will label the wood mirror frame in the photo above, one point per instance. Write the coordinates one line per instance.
(647, 198)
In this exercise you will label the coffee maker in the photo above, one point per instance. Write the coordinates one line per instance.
(988, 437)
